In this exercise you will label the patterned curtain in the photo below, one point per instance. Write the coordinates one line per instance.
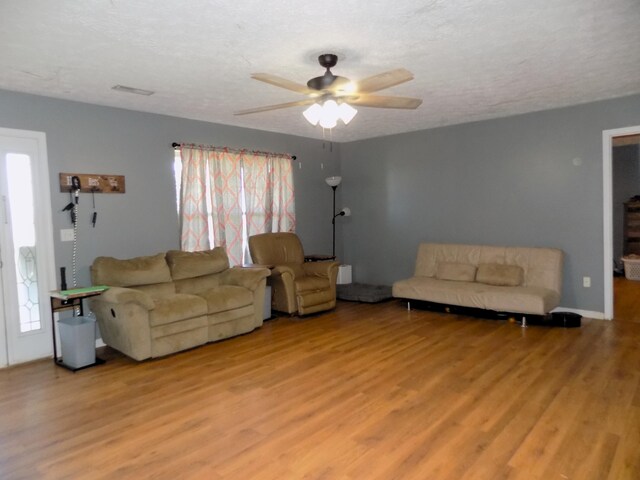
(194, 228)
(225, 171)
(249, 192)
(268, 184)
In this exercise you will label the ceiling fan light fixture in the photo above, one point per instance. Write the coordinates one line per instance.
(328, 122)
(330, 114)
(313, 113)
(347, 112)
(340, 89)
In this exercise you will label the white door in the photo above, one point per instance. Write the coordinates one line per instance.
(26, 248)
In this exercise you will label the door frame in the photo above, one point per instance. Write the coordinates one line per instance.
(607, 208)
(44, 235)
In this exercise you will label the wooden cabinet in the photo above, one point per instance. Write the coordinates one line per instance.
(631, 228)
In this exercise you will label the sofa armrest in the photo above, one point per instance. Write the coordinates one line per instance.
(250, 278)
(320, 269)
(127, 295)
(123, 320)
(279, 270)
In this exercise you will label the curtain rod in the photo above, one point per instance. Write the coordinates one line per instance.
(234, 150)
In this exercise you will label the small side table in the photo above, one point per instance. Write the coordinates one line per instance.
(71, 299)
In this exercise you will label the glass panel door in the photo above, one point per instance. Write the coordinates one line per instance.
(23, 236)
(25, 248)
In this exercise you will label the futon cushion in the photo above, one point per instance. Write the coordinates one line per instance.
(501, 275)
(459, 272)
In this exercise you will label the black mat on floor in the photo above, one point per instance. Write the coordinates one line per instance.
(363, 292)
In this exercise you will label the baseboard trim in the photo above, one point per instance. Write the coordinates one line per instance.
(584, 313)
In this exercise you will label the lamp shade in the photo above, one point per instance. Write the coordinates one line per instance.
(333, 181)
(346, 211)
(330, 114)
(312, 114)
(347, 112)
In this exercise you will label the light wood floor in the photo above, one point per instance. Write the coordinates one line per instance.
(626, 299)
(364, 392)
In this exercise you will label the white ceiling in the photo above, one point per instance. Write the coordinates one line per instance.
(472, 59)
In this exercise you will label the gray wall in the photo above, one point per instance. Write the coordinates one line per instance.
(626, 184)
(533, 179)
(84, 138)
(529, 180)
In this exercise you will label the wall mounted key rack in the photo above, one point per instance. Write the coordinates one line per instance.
(93, 183)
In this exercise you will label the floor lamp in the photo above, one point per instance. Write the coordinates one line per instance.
(333, 182)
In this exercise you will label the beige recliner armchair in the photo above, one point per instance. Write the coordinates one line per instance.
(297, 286)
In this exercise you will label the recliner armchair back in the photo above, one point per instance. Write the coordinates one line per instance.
(297, 286)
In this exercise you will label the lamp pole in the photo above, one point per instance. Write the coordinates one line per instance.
(333, 182)
(333, 222)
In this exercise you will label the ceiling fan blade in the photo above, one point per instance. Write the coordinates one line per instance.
(379, 101)
(282, 83)
(384, 80)
(307, 101)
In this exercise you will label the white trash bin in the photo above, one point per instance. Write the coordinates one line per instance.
(344, 275)
(78, 341)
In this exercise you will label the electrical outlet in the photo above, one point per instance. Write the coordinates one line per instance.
(586, 282)
(66, 235)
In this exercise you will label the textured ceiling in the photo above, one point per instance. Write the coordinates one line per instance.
(472, 59)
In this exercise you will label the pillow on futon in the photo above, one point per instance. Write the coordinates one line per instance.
(458, 272)
(500, 275)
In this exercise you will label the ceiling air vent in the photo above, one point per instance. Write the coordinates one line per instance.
(136, 91)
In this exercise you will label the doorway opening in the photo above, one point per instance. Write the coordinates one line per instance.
(609, 139)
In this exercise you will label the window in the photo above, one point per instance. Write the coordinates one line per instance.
(226, 196)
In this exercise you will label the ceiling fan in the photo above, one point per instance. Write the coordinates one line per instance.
(331, 96)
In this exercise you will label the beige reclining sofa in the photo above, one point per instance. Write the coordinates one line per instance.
(164, 303)
(503, 279)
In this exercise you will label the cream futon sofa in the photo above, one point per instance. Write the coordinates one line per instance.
(504, 279)
(165, 303)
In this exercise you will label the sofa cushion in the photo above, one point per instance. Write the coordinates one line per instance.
(178, 327)
(534, 300)
(196, 264)
(128, 295)
(459, 272)
(501, 275)
(467, 294)
(159, 290)
(132, 272)
(176, 307)
(310, 283)
(317, 297)
(198, 284)
(226, 297)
